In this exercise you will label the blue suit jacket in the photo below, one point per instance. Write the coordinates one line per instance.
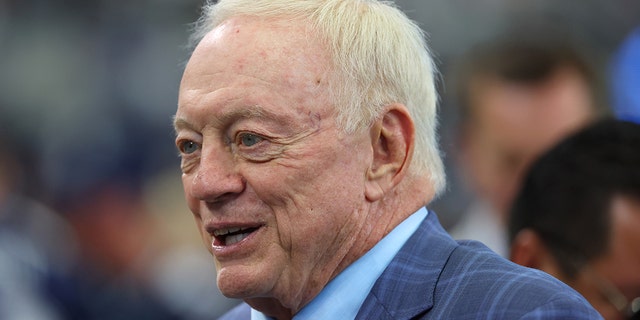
(435, 277)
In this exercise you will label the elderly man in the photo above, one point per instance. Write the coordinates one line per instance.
(307, 136)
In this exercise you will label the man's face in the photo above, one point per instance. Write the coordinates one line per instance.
(513, 124)
(619, 268)
(275, 187)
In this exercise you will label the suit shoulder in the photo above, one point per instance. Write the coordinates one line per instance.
(474, 278)
(474, 261)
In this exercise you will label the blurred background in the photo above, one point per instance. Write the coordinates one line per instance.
(93, 223)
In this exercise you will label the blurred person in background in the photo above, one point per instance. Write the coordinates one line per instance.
(517, 94)
(577, 216)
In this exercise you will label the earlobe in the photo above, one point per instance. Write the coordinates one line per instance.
(392, 139)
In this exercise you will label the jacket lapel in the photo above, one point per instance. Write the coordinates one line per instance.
(406, 287)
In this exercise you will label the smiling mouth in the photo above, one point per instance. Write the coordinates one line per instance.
(230, 236)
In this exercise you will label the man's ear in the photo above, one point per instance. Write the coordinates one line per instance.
(392, 141)
(527, 249)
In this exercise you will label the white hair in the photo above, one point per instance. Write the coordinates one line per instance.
(379, 57)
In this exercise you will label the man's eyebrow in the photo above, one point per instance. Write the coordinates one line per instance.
(251, 111)
(179, 123)
(248, 112)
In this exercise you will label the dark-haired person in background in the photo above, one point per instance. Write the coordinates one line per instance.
(518, 94)
(577, 216)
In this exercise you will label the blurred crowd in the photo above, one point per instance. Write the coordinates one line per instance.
(93, 223)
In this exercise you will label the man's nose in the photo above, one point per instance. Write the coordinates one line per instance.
(216, 178)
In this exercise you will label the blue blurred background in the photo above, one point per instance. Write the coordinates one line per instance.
(93, 224)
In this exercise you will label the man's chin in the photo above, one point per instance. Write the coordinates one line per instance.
(240, 284)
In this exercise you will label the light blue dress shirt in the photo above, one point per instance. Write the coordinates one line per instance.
(343, 296)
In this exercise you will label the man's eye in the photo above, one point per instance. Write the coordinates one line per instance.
(249, 139)
(188, 147)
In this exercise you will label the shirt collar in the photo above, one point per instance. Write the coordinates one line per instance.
(343, 296)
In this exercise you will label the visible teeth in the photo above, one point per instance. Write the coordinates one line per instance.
(235, 238)
(222, 232)
(229, 236)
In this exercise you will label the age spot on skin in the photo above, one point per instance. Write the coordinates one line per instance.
(316, 119)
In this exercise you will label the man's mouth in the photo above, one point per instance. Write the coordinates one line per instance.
(230, 236)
